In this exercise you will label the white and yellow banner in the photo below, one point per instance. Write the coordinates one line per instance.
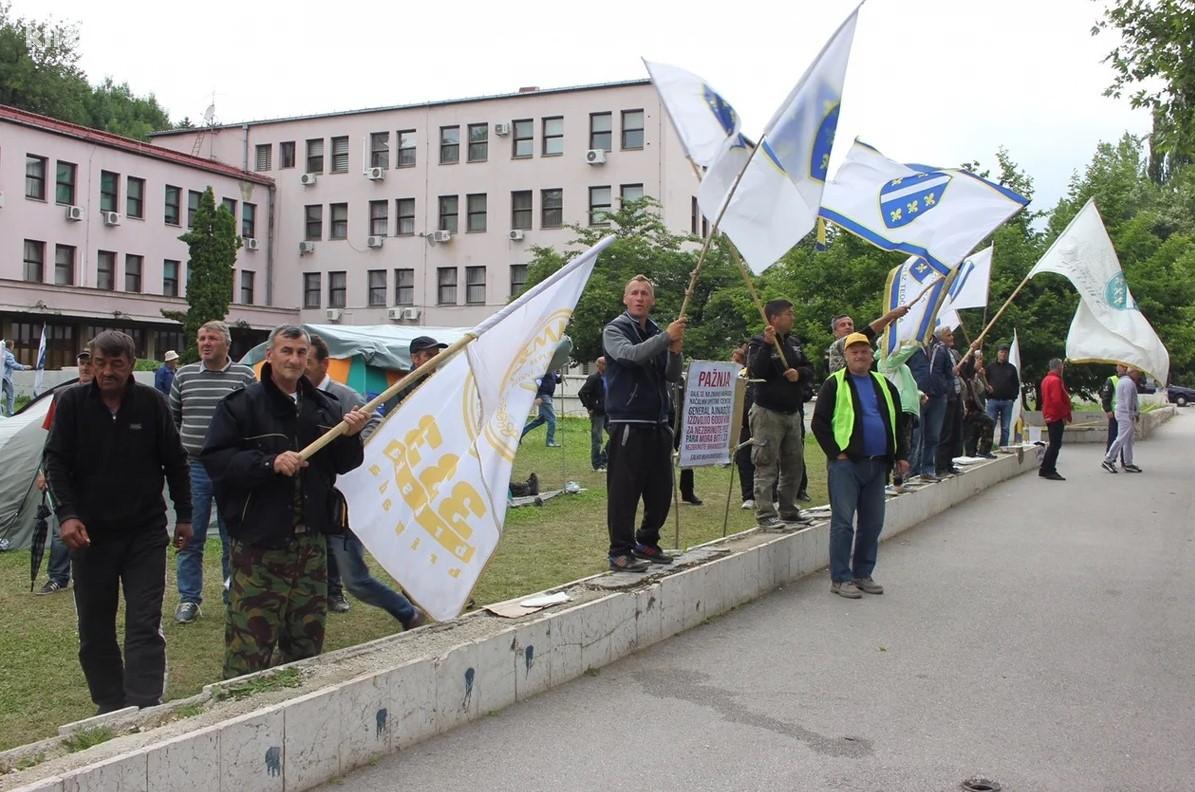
(429, 500)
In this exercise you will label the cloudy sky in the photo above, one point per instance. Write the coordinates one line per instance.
(934, 81)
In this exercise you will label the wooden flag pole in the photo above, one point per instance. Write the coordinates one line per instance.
(734, 253)
(403, 384)
(1007, 302)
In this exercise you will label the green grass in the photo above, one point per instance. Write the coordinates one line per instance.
(87, 738)
(541, 547)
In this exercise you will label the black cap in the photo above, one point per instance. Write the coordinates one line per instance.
(425, 342)
(84, 354)
(1002, 348)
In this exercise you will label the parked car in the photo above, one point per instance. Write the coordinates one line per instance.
(1180, 395)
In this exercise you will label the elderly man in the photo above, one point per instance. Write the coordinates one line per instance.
(164, 376)
(940, 386)
(843, 325)
(194, 394)
(1108, 403)
(1127, 414)
(1056, 412)
(641, 359)
(859, 424)
(112, 447)
(278, 504)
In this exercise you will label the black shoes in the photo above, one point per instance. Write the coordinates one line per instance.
(626, 563)
(651, 553)
(1052, 476)
(693, 499)
(337, 603)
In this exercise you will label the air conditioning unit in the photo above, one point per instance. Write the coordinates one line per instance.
(375, 241)
(111, 218)
(411, 313)
(596, 156)
(333, 314)
(515, 235)
(395, 314)
(441, 236)
(306, 247)
(251, 243)
(306, 179)
(74, 213)
(502, 129)
(375, 174)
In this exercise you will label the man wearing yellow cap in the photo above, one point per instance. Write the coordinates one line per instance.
(859, 424)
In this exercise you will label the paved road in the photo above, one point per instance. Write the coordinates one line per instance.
(1041, 634)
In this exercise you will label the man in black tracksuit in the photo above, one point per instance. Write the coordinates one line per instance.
(641, 360)
(113, 442)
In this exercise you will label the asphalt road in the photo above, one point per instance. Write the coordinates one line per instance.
(1040, 635)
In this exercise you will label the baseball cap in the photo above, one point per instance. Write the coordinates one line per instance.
(1002, 348)
(171, 355)
(855, 338)
(425, 342)
(84, 354)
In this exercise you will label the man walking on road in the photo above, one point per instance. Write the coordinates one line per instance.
(859, 424)
(1127, 414)
(1056, 412)
(1108, 402)
(8, 393)
(593, 398)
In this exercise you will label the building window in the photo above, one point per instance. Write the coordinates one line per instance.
(475, 206)
(263, 153)
(630, 192)
(247, 287)
(35, 261)
(518, 278)
(105, 270)
(551, 204)
(475, 285)
(379, 217)
(404, 287)
(173, 197)
(449, 209)
(404, 210)
(314, 222)
(132, 273)
(696, 218)
(193, 199)
(338, 218)
(520, 209)
(64, 185)
(553, 136)
(479, 142)
(64, 265)
(35, 177)
(109, 191)
(379, 150)
(249, 220)
(446, 286)
(135, 199)
(524, 138)
(337, 288)
(311, 289)
(599, 206)
(377, 288)
(632, 129)
(450, 145)
(286, 154)
(170, 278)
(600, 131)
(315, 155)
(231, 205)
(406, 148)
(340, 154)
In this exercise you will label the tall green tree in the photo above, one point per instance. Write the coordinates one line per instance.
(212, 243)
(116, 109)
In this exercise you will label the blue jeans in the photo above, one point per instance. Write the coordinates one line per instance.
(10, 398)
(1000, 410)
(190, 559)
(547, 415)
(354, 574)
(933, 413)
(856, 488)
(597, 451)
(59, 566)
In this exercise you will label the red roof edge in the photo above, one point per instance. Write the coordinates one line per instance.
(99, 138)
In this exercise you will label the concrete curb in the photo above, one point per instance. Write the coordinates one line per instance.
(1094, 428)
(307, 740)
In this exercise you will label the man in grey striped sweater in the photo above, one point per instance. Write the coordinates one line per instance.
(197, 389)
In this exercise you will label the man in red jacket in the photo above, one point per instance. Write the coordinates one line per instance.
(1056, 411)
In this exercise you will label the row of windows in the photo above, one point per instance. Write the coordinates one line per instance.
(63, 341)
(65, 191)
(522, 212)
(65, 264)
(377, 288)
(476, 141)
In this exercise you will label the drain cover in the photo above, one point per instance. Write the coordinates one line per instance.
(980, 784)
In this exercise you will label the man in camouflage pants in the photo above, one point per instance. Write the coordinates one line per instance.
(278, 505)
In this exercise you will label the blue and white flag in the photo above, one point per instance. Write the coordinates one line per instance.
(775, 203)
(940, 214)
(970, 289)
(702, 118)
(41, 364)
(905, 284)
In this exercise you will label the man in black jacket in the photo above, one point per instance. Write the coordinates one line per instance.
(278, 505)
(777, 422)
(859, 424)
(112, 443)
(593, 398)
(1004, 385)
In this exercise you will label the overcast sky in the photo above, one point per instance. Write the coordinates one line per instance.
(933, 81)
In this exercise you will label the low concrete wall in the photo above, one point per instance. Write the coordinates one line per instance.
(455, 673)
(1092, 427)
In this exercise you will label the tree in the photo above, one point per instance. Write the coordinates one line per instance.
(212, 243)
(114, 108)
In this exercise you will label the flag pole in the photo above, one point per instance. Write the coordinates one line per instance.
(1007, 302)
(406, 382)
(734, 253)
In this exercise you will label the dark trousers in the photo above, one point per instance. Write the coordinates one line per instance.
(136, 561)
(977, 433)
(950, 443)
(597, 426)
(742, 459)
(639, 467)
(1049, 462)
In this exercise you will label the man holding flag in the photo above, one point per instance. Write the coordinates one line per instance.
(9, 364)
(1004, 385)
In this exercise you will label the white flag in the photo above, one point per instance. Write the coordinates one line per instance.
(1108, 326)
(40, 366)
(1014, 420)
(702, 118)
(905, 284)
(940, 214)
(970, 289)
(429, 501)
